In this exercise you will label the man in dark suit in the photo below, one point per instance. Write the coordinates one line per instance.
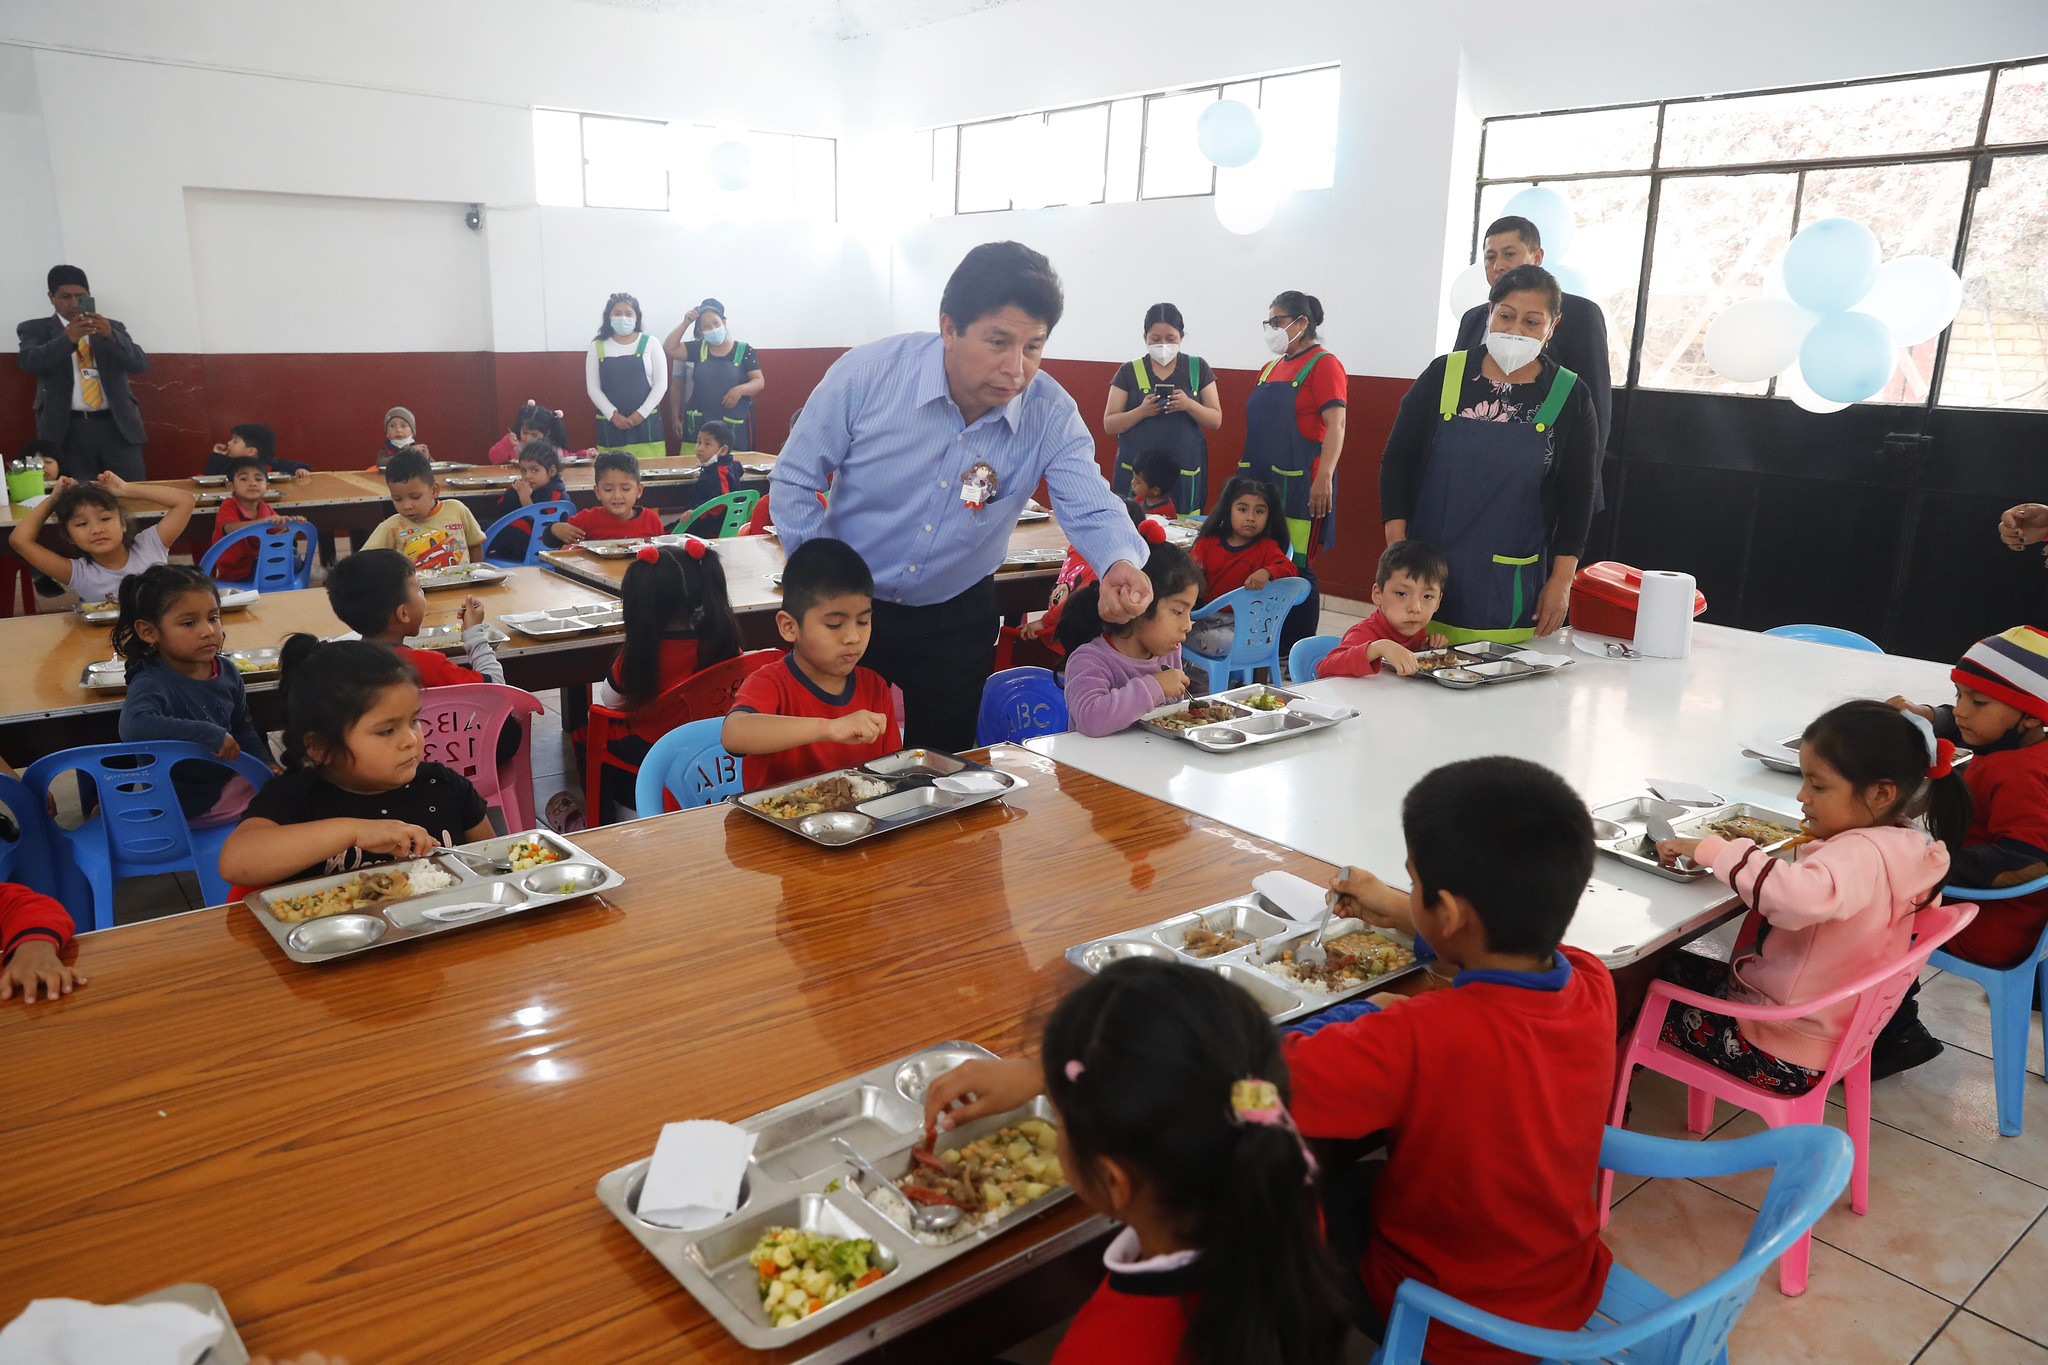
(1580, 341)
(81, 362)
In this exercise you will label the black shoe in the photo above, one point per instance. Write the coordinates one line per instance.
(1909, 1048)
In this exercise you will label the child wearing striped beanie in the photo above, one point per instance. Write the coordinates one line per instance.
(2001, 716)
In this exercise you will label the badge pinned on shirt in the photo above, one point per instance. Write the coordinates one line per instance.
(978, 488)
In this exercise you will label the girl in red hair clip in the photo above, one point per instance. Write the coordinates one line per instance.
(1117, 673)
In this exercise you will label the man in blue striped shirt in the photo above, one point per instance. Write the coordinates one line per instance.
(931, 444)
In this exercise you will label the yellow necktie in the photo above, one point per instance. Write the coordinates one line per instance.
(88, 377)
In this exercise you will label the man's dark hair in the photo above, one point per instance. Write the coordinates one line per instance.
(620, 461)
(822, 569)
(407, 465)
(258, 438)
(998, 275)
(61, 275)
(1528, 277)
(1159, 467)
(242, 462)
(1508, 835)
(1418, 559)
(367, 588)
(1518, 225)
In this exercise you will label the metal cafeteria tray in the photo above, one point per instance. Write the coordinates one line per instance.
(576, 619)
(253, 662)
(461, 576)
(612, 549)
(1272, 933)
(229, 1350)
(210, 480)
(106, 613)
(476, 898)
(761, 470)
(1634, 846)
(797, 1179)
(216, 499)
(666, 472)
(105, 675)
(443, 466)
(449, 636)
(1033, 559)
(1481, 662)
(909, 796)
(1250, 725)
(1031, 514)
(505, 480)
(1793, 742)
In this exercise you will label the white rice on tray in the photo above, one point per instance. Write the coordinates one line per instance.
(893, 1206)
(425, 877)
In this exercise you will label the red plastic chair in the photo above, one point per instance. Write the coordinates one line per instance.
(1878, 995)
(701, 696)
(460, 725)
(17, 578)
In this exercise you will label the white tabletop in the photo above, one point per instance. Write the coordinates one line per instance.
(1607, 725)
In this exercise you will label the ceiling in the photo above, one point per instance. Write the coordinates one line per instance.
(839, 19)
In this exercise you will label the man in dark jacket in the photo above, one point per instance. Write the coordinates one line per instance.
(81, 361)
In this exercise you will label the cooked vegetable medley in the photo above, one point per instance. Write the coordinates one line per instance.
(802, 1271)
(528, 853)
(989, 1176)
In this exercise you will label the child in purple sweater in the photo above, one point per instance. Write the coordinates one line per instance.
(1116, 673)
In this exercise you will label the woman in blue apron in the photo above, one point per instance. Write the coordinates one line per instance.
(723, 374)
(625, 374)
(1294, 422)
(1165, 399)
(1492, 460)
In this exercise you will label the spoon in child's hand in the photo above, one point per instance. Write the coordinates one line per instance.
(1312, 953)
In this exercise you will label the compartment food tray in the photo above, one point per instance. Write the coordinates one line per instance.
(1793, 742)
(1251, 725)
(1257, 917)
(505, 480)
(612, 549)
(106, 613)
(215, 499)
(1482, 663)
(910, 796)
(577, 619)
(478, 897)
(796, 1178)
(462, 576)
(229, 1350)
(1637, 849)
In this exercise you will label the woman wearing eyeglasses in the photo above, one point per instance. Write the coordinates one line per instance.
(626, 374)
(1294, 421)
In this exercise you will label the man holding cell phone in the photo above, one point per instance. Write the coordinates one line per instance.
(81, 361)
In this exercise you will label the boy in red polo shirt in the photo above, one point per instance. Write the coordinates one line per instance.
(617, 516)
(818, 709)
(1492, 1094)
(1407, 590)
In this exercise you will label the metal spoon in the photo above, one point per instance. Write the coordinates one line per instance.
(1312, 953)
(490, 865)
(923, 1218)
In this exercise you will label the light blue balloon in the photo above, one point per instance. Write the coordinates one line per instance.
(1547, 209)
(1829, 267)
(1571, 280)
(1847, 357)
(732, 165)
(1228, 133)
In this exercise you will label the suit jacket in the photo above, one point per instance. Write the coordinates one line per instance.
(1579, 344)
(46, 353)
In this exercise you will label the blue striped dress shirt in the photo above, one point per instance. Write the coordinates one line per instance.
(883, 423)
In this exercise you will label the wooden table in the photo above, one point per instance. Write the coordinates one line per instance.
(394, 1158)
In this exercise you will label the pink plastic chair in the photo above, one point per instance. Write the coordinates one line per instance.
(461, 725)
(1878, 996)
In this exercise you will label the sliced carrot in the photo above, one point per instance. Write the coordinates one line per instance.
(864, 1281)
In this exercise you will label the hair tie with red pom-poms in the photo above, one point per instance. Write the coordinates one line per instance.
(1944, 759)
(694, 547)
(1153, 532)
(647, 554)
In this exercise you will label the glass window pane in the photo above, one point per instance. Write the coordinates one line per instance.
(1995, 349)
(1173, 163)
(1716, 235)
(558, 158)
(2019, 111)
(1606, 254)
(814, 180)
(1075, 140)
(1927, 115)
(1571, 144)
(625, 163)
(1299, 116)
(945, 170)
(985, 166)
(1126, 121)
(1915, 211)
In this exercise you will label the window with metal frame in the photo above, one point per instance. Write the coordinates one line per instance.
(599, 161)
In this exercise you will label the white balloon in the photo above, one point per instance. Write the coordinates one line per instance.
(1914, 296)
(732, 165)
(1468, 290)
(1792, 385)
(1757, 338)
(1246, 198)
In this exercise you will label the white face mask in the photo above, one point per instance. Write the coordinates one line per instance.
(1277, 340)
(1164, 353)
(401, 441)
(1511, 350)
(623, 324)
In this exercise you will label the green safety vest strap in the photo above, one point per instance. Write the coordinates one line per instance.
(739, 354)
(1553, 402)
(1454, 384)
(1546, 415)
(640, 348)
(1144, 375)
(1320, 353)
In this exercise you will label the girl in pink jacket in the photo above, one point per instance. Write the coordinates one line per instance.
(1842, 909)
(1116, 673)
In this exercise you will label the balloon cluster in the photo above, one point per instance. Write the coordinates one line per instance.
(1559, 231)
(1832, 339)
(1229, 136)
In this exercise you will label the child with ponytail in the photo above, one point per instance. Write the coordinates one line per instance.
(679, 621)
(1116, 673)
(1171, 1094)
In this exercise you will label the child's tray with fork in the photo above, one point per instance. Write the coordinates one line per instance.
(1480, 663)
(799, 1178)
(216, 499)
(1621, 830)
(1241, 717)
(325, 919)
(847, 805)
(106, 613)
(1250, 942)
(460, 576)
(612, 549)
(580, 618)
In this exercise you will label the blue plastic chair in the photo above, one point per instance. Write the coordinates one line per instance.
(284, 556)
(1827, 635)
(1306, 654)
(1636, 1321)
(30, 861)
(1018, 703)
(542, 515)
(138, 828)
(2011, 990)
(689, 764)
(1260, 616)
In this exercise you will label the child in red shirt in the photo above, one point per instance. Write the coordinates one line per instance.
(1153, 475)
(1243, 544)
(1493, 1093)
(617, 515)
(818, 709)
(33, 930)
(248, 481)
(1075, 574)
(1407, 589)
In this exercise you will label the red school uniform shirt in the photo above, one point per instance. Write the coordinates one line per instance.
(437, 669)
(1348, 659)
(240, 562)
(1225, 569)
(675, 662)
(1132, 1319)
(599, 524)
(2009, 790)
(1494, 1096)
(1325, 385)
(26, 914)
(780, 690)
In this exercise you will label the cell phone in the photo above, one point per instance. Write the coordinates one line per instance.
(88, 305)
(1165, 392)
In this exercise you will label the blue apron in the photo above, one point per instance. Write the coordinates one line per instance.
(1178, 432)
(1481, 504)
(623, 377)
(1276, 452)
(713, 377)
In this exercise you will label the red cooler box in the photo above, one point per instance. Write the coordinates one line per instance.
(1604, 599)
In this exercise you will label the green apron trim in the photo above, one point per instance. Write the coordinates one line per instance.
(1510, 559)
(739, 354)
(1553, 402)
(1295, 383)
(1454, 384)
(1546, 415)
(1458, 635)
